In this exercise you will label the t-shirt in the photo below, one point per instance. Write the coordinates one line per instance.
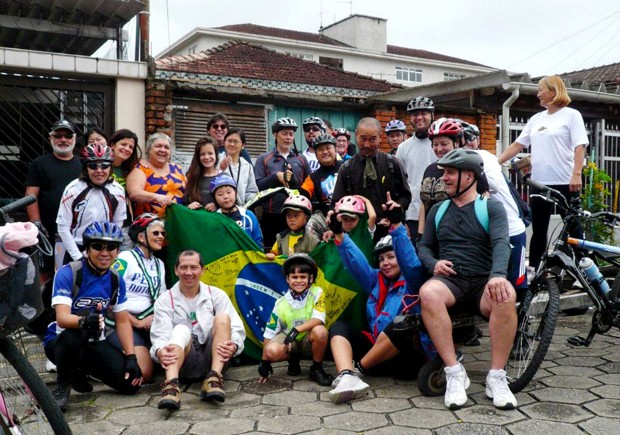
(205, 189)
(416, 154)
(312, 160)
(553, 139)
(51, 175)
(287, 307)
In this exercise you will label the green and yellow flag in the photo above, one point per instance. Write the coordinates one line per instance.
(234, 263)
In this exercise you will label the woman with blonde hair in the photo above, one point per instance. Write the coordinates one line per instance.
(557, 139)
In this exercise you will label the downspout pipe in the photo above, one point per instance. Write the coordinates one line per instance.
(506, 115)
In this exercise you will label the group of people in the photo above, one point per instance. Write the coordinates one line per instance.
(439, 209)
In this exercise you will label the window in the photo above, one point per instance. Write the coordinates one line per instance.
(331, 61)
(453, 76)
(191, 50)
(301, 56)
(408, 74)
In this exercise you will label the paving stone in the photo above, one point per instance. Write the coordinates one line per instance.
(399, 391)
(607, 391)
(111, 400)
(243, 373)
(287, 398)
(289, 424)
(376, 382)
(142, 415)
(237, 400)
(530, 427)
(561, 412)
(577, 361)
(195, 412)
(320, 408)
(609, 379)
(570, 371)
(610, 367)
(308, 385)
(168, 427)
(601, 426)
(224, 426)
(334, 432)
(586, 351)
(381, 405)
(482, 399)
(563, 395)
(423, 418)
(260, 411)
(470, 428)
(355, 421)
(488, 415)
(605, 407)
(428, 402)
(391, 430)
(85, 413)
(614, 356)
(580, 382)
(271, 386)
(102, 427)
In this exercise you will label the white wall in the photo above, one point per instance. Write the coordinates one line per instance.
(362, 32)
(129, 111)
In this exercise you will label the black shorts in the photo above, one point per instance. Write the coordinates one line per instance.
(467, 291)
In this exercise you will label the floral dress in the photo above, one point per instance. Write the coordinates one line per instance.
(172, 185)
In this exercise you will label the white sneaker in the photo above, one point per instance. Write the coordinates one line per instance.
(349, 387)
(356, 372)
(50, 367)
(497, 389)
(456, 384)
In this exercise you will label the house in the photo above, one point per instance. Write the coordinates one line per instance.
(357, 43)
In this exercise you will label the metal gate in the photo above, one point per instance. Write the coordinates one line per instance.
(28, 108)
(606, 155)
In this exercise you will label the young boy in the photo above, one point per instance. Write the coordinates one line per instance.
(297, 209)
(296, 326)
(224, 191)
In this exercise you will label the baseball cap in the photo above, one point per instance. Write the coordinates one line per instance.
(63, 124)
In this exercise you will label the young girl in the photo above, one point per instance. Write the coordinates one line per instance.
(238, 168)
(202, 170)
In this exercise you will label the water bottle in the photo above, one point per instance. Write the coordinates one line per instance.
(595, 277)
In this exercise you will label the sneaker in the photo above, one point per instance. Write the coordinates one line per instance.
(80, 382)
(294, 369)
(61, 396)
(213, 387)
(349, 387)
(318, 375)
(497, 389)
(355, 371)
(530, 274)
(456, 384)
(170, 395)
(50, 367)
(470, 336)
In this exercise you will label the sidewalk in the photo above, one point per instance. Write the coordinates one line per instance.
(576, 390)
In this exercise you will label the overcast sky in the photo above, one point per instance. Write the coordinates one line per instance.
(534, 36)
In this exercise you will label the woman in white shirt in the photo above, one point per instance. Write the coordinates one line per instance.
(557, 139)
(238, 168)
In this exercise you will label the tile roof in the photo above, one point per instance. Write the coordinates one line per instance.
(608, 74)
(424, 54)
(240, 59)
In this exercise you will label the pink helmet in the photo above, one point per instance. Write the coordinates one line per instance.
(297, 202)
(350, 206)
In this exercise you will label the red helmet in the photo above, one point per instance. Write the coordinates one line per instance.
(141, 223)
(96, 152)
(446, 127)
(341, 132)
(297, 202)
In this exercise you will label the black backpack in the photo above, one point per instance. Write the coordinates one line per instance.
(525, 213)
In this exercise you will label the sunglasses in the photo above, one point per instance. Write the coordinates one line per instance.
(101, 165)
(313, 129)
(98, 246)
(159, 233)
(219, 127)
(61, 135)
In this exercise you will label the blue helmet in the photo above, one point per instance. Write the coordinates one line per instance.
(102, 231)
(222, 180)
(395, 125)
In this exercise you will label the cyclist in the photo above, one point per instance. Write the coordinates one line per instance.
(145, 279)
(83, 290)
(343, 139)
(396, 131)
(467, 258)
(312, 127)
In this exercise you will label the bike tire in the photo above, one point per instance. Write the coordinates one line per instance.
(46, 416)
(432, 379)
(614, 293)
(536, 324)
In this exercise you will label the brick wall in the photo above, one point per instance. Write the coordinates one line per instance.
(158, 107)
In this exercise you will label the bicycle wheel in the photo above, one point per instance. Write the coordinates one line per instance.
(432, 379)
(537, 316)
(30, 405)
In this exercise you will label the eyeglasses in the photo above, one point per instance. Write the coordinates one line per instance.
(219, 127)
(313, 129)
(159, 233)
(98, 246)
(61, 135)
(101, 165)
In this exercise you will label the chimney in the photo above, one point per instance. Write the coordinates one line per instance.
(359, 31)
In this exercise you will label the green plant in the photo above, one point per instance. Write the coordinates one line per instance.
(594, 198)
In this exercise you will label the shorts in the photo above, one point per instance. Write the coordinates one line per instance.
(467, 291)
(198, 362)
(303, 347)
(517, 272)
(141, 337)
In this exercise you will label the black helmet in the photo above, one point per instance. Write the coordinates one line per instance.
(297, 259)
(324, 138)
(470, 131)
(383, 245)
(283, 123)
(465, 159)
(421, 103)
(315, 120)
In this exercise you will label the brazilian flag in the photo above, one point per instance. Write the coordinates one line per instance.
(234, 263)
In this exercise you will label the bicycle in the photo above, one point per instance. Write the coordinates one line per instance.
(26, 404)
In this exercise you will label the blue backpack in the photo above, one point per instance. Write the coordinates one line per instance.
(480, 208)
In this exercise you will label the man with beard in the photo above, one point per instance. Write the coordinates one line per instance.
(47, 177)
(416, 153)
(312, 127)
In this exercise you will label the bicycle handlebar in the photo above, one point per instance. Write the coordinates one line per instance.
(20, 203)
(545, 189)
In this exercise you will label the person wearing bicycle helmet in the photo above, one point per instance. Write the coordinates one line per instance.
(416, 153)
(318, 187)
(471, 135)
(313, 127)
(83, 291)
(281, 167)
(145, 279)
(465, 247)
(381, 349)
(350, 209)
(224, 192)
(297, 209)
(93, 197)
(343, 140)
(396, 131)
(296, 326)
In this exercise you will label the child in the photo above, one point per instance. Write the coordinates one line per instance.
(297, 209)
(351, 208)
(202, 169)
(296, 326)
(224, 191)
